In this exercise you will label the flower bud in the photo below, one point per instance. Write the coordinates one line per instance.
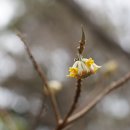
(54, 86)
(83, 68)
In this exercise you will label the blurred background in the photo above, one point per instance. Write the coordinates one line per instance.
(53, 29)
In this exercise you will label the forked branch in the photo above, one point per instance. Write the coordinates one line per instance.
(107, 90)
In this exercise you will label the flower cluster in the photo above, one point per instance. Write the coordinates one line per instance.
(83, 68)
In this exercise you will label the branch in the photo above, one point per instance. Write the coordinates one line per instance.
(97, 98)
(78, 87)
(73, 107)
(77, 95)
(43, 78)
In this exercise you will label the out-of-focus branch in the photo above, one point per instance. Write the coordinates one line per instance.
(37, 118)
(44, 80)
(96, 99)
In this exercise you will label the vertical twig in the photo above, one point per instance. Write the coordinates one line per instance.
(77, 95)
(78, 87)
(74, 104)
(44, 80)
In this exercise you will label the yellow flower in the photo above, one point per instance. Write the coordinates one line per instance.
(89, 62)
(83, 68)
(73, 72)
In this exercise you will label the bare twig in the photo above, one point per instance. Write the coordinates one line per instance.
(77, 95)
(97, 98)
(43, 78)
(73, 107)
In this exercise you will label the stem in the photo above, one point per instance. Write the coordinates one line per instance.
(74, 104)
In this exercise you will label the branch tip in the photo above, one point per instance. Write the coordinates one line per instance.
(81, 42)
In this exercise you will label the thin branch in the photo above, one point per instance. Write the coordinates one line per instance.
(97, 98)
(43, 78)
(74, 104)
(78, 86)
(76, 98)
